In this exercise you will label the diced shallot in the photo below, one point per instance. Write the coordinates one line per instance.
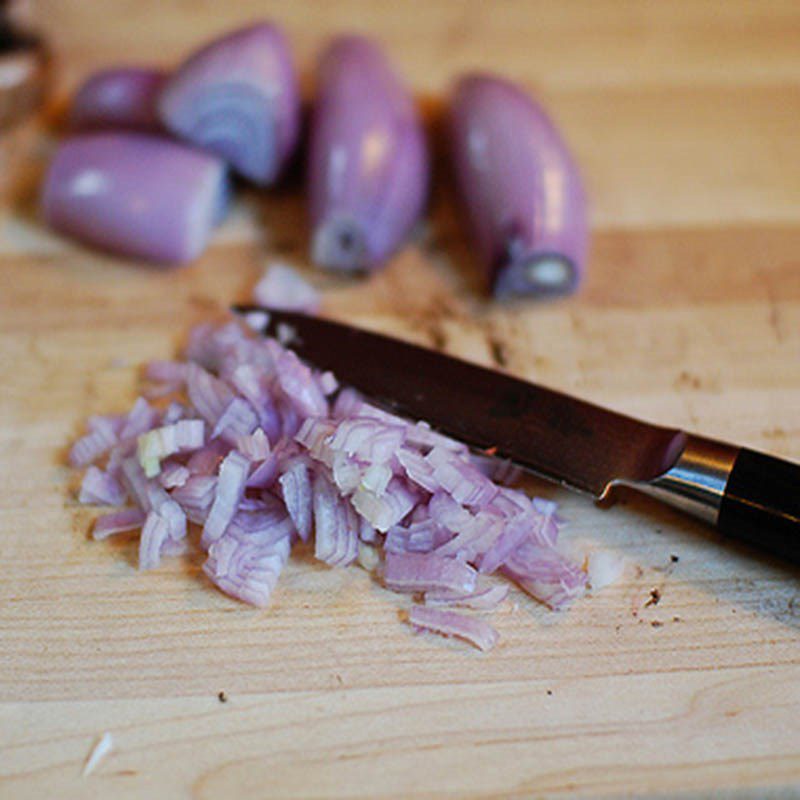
(417, 572)
(283, 288)
(252, 451)
(481, 600)
(100, 488)
(157, 444)
(603, 568)
(230, 490)
(128, 519)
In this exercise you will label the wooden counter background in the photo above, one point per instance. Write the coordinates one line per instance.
(685, 117)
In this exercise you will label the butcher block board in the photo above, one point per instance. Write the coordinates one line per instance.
(685, 118)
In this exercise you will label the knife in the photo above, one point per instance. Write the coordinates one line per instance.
(747, 495)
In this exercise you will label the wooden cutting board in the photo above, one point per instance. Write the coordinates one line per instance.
(685, 117)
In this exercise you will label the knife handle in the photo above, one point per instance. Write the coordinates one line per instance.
(746, 495)
(761, 504)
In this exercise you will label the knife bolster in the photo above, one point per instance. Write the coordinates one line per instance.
(696, 482)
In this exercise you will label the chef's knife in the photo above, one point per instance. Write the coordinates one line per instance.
(747, 495)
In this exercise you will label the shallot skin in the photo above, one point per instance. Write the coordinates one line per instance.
(368, 159)
(239, 98)
(136, 195)
(520, 187)
(122, 97)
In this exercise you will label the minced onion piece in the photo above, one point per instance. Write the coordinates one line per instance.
(236, 421)
(419, 572)
(422, 536)
(155, 533)
(94, 444)
(157, 444)
(450, 623)
(136, 195)
(545, 574)
(387, 509)
(335, 525)
(196, 496)
(103, 746)
(368, 161)
(603, 568)
(486, 599)
(120, 97)
(101, 488)
(128, 519)
(283, 288)
(142, 418)
(521, 189)
(230, 490)
(238, 97)
(346, 477)
(173, 475)
(248, 571)
(254, 445)
(295, 485)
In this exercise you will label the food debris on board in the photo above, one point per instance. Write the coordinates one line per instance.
(655, 597)
(261, 451)
(101, 749)
(283, 288)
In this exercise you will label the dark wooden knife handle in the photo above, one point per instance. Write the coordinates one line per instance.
(761, 504)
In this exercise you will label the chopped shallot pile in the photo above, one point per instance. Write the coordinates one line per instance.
(244, 440)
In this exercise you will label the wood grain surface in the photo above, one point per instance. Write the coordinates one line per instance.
(685, 117)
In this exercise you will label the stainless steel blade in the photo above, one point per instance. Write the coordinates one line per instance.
(562, 438)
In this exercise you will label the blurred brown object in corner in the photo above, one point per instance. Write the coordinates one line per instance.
(23, 67)
(24, 78)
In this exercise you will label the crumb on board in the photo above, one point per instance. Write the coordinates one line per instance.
(655, 597)
(102, 747)
(674, 559)
(677, 619)
(222, 697)
(657, 623)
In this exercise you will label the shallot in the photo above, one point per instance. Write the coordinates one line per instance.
(368, 160)
(238, 97)
(136, 195)
(122, 97)
(521, 189)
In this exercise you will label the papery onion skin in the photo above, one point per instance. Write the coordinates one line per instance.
(135, 195)
(238, 97)
(121, 97)
(521, 190)
(368, 159)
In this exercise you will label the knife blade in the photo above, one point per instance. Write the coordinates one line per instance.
(751, 496)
